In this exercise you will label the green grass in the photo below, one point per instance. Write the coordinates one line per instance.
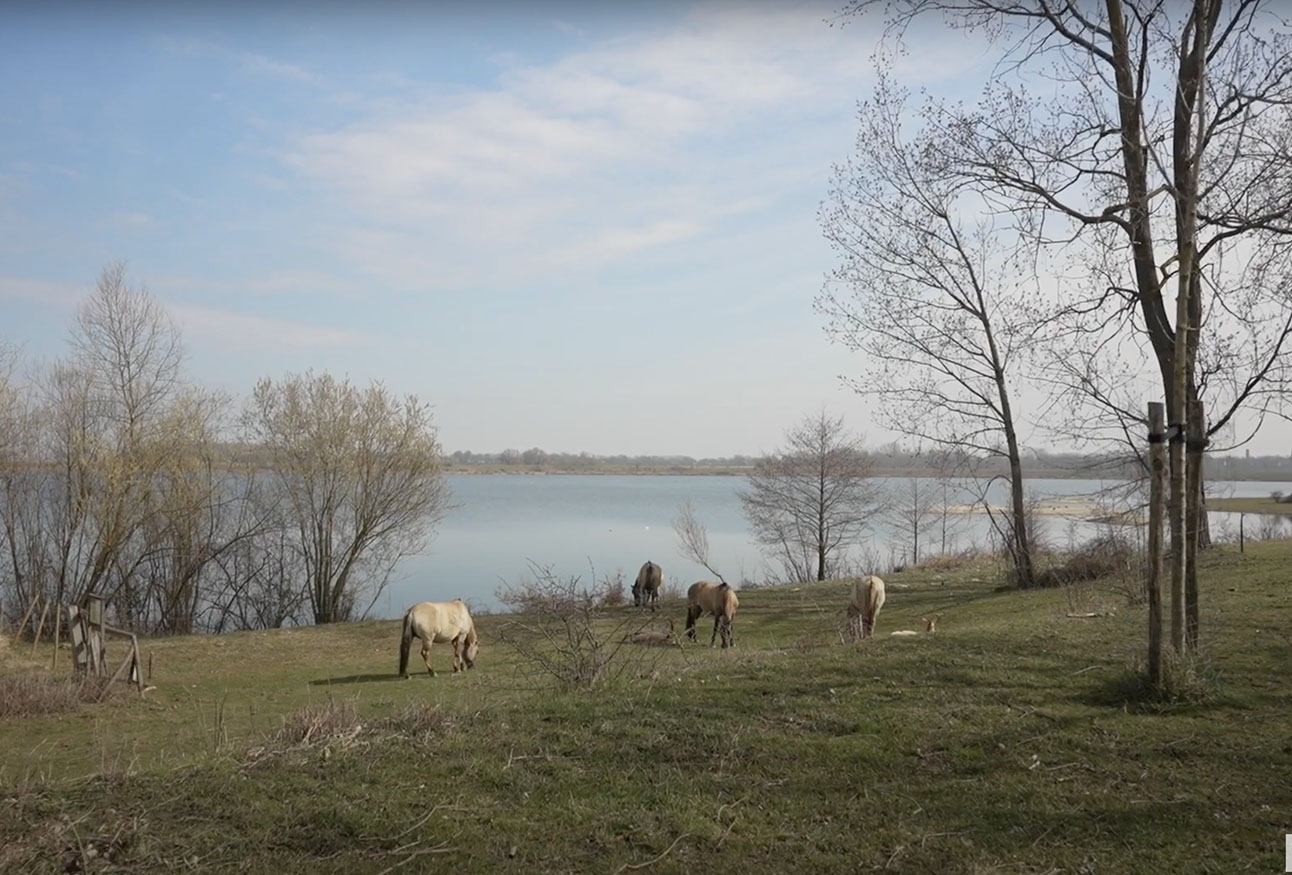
(1250, 505)
(1003, 744)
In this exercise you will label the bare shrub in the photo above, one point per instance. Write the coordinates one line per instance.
(1269, 527)
(1108, 556)
(671, 591)
(614, 592)
(320, 723)
(564, 631)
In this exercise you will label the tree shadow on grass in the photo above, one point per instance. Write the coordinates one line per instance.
(355, 679)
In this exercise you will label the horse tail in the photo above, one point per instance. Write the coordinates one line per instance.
(405, 643)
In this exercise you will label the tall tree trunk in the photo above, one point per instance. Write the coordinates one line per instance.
(1157, 474)
(1197, 430)
(1023, 571)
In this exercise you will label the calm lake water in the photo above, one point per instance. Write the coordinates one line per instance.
(578, 524)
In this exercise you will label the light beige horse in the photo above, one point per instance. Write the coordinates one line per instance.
(863, 607)
(719, 599)
(646, 587)
(439, 622)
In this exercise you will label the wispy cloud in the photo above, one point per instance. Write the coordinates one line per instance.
(251, 62)
(130, 221)
(254, 63)
(62, 295)
(225, 328)
(273, 282)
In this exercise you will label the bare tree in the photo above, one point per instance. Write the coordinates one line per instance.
(916, 509)
(937, 305)
(101, 432)
(117, 485)
(359, 472)
(693, 538)
(1162, 145)
(809, 502)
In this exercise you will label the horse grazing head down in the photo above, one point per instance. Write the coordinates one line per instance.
(863, 607)
(442, 622)
(719, 599)
(646, 587)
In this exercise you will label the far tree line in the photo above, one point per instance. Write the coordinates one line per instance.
(892, 459)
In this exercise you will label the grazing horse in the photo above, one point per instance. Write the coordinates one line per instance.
(863, 608)
(646, 588)
(719, 599)
(439, 622)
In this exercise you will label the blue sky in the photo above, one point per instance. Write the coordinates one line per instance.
(584, 227)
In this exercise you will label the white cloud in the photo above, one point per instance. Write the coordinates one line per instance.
(634, 143)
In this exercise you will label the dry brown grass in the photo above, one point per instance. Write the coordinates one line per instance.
(29, 694)
(320, 723)
(969, 558)
(419, 720)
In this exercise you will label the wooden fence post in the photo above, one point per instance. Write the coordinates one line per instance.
(1156, 502)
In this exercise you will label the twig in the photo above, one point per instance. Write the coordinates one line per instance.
(438, 849)
(934, 835)
(434, 809)
(651, 862)
(726, 832)
(1083, 670)
(726, 805)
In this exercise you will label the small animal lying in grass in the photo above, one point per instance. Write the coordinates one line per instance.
(654, 638)
(930, 627)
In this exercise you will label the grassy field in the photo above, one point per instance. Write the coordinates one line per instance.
(1003, 744)
(1250, 505)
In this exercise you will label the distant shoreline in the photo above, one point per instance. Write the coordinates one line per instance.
(667, 471)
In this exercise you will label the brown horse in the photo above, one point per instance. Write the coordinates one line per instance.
(646, 587)
(719, 599)
(439, 622)
(863, 607)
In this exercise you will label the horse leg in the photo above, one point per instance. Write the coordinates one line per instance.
(726, 633)
(692, 614)
(717, 618)
(426, 655)
(458, 647)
